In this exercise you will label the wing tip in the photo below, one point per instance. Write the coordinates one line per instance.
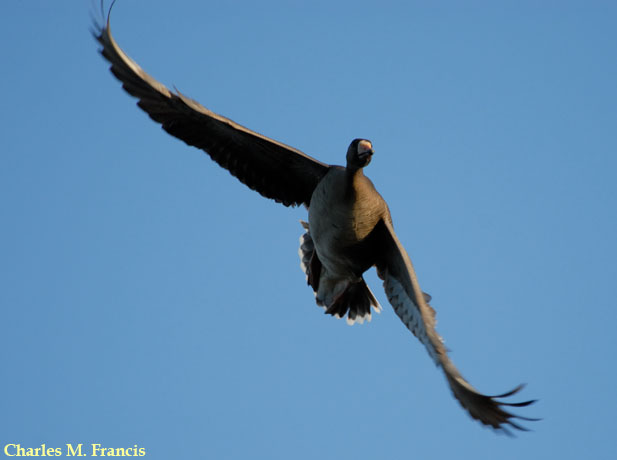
(489, 410)
(100, 19)
(506, 419)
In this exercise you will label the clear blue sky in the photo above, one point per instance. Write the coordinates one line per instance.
(149, 298)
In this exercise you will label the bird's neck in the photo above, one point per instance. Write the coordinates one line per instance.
(354, 173)
(354, 179)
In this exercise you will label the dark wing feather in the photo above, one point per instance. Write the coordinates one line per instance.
(405, 295)
(273, 169)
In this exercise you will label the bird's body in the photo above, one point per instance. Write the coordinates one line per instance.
(349, 230)
(345, 210)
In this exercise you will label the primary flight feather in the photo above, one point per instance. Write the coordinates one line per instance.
(349, 227)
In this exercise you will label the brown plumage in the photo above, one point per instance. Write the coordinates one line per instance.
(349, 228)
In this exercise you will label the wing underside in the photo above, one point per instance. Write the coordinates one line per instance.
(273, 169)
(403, 292)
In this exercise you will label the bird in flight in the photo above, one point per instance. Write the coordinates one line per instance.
(349, 228)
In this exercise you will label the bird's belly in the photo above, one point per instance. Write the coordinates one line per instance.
(332, 245)
(338, 232)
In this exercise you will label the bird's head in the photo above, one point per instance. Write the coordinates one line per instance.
(359, 153)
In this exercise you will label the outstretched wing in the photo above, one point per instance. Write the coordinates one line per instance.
(273, 169)
(403, 291)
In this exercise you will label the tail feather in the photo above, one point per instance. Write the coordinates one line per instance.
(339, 297)
(356, 301)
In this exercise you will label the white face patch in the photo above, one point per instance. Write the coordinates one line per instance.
(364, 146)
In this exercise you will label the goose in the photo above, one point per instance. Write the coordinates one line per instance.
(349, 228)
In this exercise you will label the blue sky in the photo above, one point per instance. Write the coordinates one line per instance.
(150, 299)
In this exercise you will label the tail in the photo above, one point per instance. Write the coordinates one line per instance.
(337, 297)
(356, 302)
